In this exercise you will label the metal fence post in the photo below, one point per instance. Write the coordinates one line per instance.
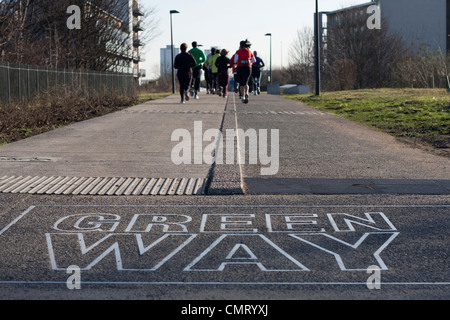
(9, 82)
(28, 82)
(38, 74)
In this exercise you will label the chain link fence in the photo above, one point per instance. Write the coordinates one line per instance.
(23, 82)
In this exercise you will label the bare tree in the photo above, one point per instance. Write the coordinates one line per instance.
(371, 54)
(422, 67)
(301, 58)
(13, 28)
(151, 25)
(35, 32)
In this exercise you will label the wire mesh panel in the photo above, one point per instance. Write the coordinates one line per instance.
(20, 82)
(4, 82)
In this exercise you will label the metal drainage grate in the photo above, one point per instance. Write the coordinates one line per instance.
(246, 112)
(25, 159)
(102, 186)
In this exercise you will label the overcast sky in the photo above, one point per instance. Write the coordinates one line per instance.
(226, 23)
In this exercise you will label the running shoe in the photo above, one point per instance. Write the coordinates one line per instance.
(186, 96)
(196, 97)
(246, 99)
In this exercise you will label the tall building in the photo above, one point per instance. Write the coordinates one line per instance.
(136, 27)
(132, 28)
(166, 59)
(417, 21)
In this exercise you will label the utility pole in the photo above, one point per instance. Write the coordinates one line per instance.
(317, 47)
(171, 48)
(270, 35)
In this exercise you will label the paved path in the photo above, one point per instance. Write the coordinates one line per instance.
(323, 153)
(134, 145)
(318, 153)
(345, 198)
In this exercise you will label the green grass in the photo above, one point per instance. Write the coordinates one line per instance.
(144, 97)
(420, 115)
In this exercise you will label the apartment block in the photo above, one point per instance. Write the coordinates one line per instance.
(417, 21)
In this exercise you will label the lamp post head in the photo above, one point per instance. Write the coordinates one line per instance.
(173, 11)
(268, 34)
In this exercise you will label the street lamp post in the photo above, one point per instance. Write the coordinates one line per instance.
(171, 49)
(270, 35)
(317, 47)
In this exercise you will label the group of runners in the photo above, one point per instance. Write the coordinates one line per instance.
(246, 68)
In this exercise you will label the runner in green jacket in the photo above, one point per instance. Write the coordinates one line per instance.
(200, 57)
(214, 70)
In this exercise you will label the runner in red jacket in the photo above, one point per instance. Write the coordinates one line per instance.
(244, 59)
(235, 77)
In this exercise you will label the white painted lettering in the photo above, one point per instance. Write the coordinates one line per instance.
(65, 249)
(166, 223)
(343, 222)
(233, 223)
(293, 223)
(244, 250)
(88, 222)
(351, 257)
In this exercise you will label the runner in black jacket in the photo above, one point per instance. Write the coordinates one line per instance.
(223, 64)
(184, 62)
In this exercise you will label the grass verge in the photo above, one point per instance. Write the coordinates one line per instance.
(421, 116)
(61, 107)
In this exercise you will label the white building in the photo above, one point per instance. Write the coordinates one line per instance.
(166, 59)
(135, 28)
(132, 27)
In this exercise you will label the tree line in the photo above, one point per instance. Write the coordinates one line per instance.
(35, 32)
(354, 57)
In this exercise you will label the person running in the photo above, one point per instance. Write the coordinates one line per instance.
(244, 59)
(184, 62)
(200, 57)
(212, 63)
(235, 76)
(223, 64)
(256, 73)
(208, 72)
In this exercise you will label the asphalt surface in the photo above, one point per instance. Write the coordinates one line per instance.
(345, 198)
